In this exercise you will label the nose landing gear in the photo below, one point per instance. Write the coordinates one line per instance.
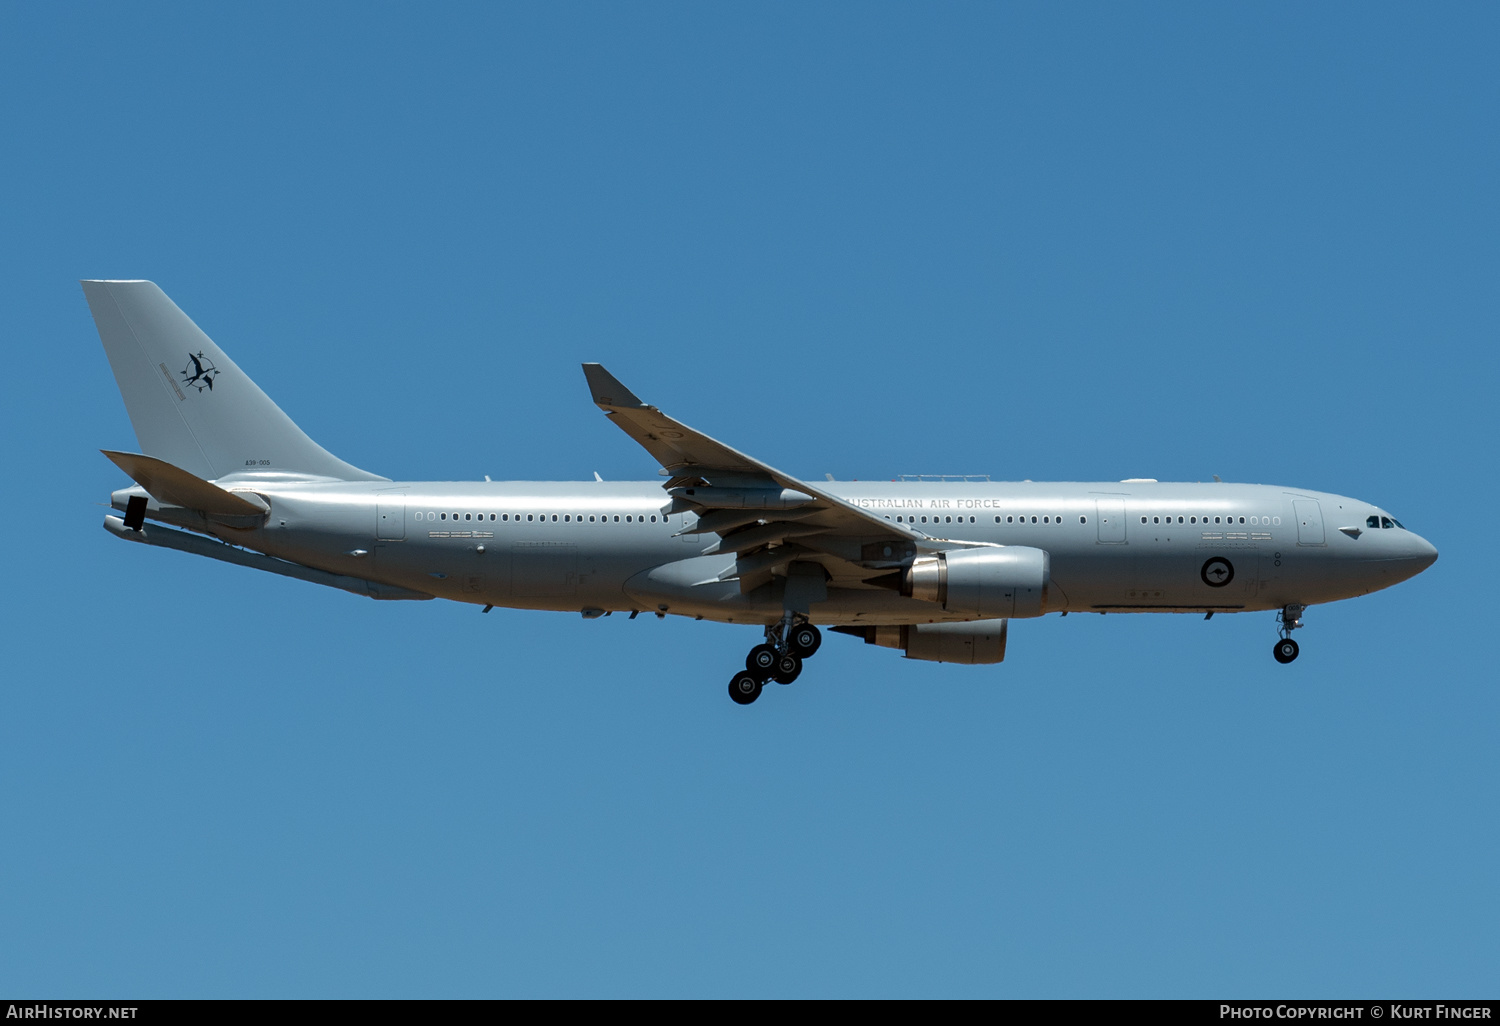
(1288, 620)
(780, 658)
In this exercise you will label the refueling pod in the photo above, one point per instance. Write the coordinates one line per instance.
(972, 644)
(991, 582)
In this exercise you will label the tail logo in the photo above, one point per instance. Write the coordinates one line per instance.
(200, 372)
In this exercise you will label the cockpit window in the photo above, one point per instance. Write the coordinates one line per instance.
(1387, 522)
(1372, 522)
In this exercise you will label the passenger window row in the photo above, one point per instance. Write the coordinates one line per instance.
(1012, 519)
(935, 520)
(566, 518)
(1204, 520)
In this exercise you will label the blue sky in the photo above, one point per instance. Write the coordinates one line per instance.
(1051, 241)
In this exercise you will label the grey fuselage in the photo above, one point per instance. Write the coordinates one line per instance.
(600, 547)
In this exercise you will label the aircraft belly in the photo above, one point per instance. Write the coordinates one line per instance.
(334, 541)
(691, 587)
(555, 574)
(1088, 578)
(544, 570)
(1165, 575)
(1301, 576)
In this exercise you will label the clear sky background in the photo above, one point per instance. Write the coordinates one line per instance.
(1050, 241)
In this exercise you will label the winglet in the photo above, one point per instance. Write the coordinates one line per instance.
(608, 393)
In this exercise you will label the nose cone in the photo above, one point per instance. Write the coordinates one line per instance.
(1413, 555)
(1424, 553)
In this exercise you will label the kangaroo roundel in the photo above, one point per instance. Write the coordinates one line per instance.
(1217, 572)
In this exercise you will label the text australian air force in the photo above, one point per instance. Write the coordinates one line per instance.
(931, 503)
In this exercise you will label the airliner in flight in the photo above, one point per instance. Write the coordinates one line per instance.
(935, 568)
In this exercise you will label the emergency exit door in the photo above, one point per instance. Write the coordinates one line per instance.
(390, 516)
(1111, 517)
(1309, 521)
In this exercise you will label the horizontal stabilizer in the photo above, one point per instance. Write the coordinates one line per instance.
(173, 486)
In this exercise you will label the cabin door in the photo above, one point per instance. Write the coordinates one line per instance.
(1111, 514)
(1309, 521)
(390, 516)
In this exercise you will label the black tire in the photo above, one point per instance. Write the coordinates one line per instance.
(1285, 650)
(762, 661)
(744, 688)
(788, 669)
(804, 640)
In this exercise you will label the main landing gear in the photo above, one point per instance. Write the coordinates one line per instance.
(787, 644)
(1288, 620)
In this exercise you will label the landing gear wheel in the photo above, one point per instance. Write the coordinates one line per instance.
(744, 688)
(804, 640)
(788, 669)
(1285, 650)
(762, 661)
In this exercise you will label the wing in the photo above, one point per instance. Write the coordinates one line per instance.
(768, 519)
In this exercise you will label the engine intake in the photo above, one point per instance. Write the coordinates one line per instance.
(1009, 581)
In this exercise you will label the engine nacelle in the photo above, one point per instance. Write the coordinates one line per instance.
(973, 643)
(1007, 581)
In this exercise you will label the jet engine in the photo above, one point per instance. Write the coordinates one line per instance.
(972, 643)
(1010, 580)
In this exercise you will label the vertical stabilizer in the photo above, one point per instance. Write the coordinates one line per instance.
(188, 402)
